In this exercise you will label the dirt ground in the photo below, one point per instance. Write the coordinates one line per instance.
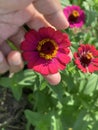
(11, 111)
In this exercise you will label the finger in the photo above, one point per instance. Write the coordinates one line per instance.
(6, 30)
(13, 5)
(15, 61)
(4, 47)
(10, 22)
(17, 38)
(53, 79)
(37, 20)
(4, 67)
(53, 12)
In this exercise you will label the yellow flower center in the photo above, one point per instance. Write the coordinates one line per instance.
(47, 48)
(89, 55)
(75, 13)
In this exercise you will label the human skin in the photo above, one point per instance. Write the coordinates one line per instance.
(35, 14)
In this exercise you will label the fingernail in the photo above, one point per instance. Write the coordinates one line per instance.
(14, 58)
(59, 20)
(62, 20)
(53, 79)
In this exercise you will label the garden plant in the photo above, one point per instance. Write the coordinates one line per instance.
(29, 102)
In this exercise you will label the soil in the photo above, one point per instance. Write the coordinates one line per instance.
(11, 111)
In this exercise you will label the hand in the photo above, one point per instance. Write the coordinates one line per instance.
(35, 14)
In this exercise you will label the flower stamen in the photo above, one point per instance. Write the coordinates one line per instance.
(89, 55)
(47, 48)
(75, 13)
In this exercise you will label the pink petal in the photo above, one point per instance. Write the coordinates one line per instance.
(28, 46)
(88, 47)
(95, 53)
(80, 50)
(78, 64)
(66, 40)
(31, 41)
(58, 37)
(83, 47)
(44, 70)
(32, 35)
(30, 56)
(63, 58)
(39, 61)
(91, 68)
(76, 55)
(34, 66)
(46, 32)
(64, 51)
(41, 66)
(52, 68)
(59, 64)
(95, 61)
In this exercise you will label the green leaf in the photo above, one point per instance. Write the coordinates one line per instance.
(92, 84)
(43, 101)
(26, 78)
(33, 117)
(57, 91)
(43, 85)
(18, 81)
(91, 16)
(13, 85)
(80, 124)
(96, 1)
(11, 44)
(5, 82)
(17, 91)
(28, 126)
(40, 121)
(56, 123)
(23, 78)
(95, 126)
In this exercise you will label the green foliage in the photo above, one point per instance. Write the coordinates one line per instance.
(72, 104)
(18, 81)
(37, 119)
(92, 84)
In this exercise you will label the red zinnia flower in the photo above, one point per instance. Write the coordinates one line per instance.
(86, 58)
(46, 51)
(75, 16)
